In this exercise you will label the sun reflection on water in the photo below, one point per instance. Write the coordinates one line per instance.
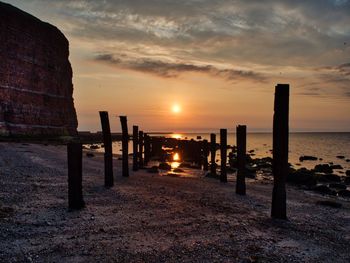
(176, 136)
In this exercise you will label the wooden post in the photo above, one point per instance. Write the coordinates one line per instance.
(141, 138)
(223, 151)
(241, 138)
(125, 145)
(108, 155)
(205, 153)
(280, 167)
(147, 140)
(213, 154)
(75, 189)
(135, 143)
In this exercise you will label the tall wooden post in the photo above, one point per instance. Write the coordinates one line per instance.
(223, 151)
(135, 143)
(108, 155)
(213, 154)
(125, 145)
(205, 153)
(141, 138)
(241, 138)
(280, 167)
(147, 140)
(75, 189)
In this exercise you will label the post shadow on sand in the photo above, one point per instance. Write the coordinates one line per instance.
(125, 149)
(108, 155)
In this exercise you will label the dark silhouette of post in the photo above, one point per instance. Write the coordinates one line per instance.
(147, 156)
(205, 153)
(212, 154)
(125, 149)
(108, 155)
(280, 166)
(141, 148)
(135, 143)
(75, 189)
(223, 152)
(241, 138)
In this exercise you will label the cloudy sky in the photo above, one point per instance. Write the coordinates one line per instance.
(218, 60)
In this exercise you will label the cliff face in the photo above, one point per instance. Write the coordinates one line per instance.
(35, 77)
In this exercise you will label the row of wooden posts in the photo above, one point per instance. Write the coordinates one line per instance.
(141, 143)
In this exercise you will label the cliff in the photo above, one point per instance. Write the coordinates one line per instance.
(35, 77)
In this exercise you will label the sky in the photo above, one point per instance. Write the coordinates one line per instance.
(201, 65)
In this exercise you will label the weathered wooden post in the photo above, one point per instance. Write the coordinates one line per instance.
(125, 145)
(75, 189)
(223, 151)
(135, 143)
(108, 155)
(147, 140)
(205, 153)
(141, 138)
(280, 166)
(213, 154)
(241, 138)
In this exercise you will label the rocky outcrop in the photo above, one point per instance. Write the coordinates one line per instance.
(35, 77)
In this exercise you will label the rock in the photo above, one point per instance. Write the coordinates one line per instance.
(340, 156)
(344, 193)
(336, 166)
(185, 165)
(325, 190)
(347, 160)
(35, 77)
(199, 137)
(337, 186)
(302, 176)
(90, 155)
(347, 180)
(164, 166)
(153, 169)
(347, 172)
(328, 178)
(178, 170)
(94, 146)
(329, 203)
(323, 168)
(307, 158)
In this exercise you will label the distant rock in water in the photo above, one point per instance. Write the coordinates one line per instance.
(307, 158)
(35, 77)
(340, 156)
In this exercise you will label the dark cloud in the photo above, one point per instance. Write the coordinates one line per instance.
(172, 70)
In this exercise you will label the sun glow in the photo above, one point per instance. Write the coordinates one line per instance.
(176, 108)
(176, 157)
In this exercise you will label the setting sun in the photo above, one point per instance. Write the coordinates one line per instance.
(176, 108)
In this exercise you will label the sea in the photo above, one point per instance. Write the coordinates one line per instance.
(326, 146)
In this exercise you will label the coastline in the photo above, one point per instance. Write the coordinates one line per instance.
(148, 217)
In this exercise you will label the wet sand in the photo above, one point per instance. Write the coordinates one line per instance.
(152, 218)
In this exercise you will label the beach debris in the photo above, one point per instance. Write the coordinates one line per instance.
(323, 168)
(344, 193)
(338, 186)
(164, 166)
(329, 203)
(153, 169)
(324, 189)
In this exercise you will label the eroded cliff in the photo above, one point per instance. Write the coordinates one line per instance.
(35, 77)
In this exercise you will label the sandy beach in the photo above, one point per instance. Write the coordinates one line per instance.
(153, 218)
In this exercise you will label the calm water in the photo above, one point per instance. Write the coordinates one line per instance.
(322, 145)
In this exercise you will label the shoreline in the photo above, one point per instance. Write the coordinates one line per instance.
(148, 217)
